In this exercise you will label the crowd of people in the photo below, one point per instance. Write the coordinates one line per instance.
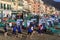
(35, 21)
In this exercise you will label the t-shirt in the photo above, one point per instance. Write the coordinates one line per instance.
(40, 21)
(33, 19)
(10, 24)
(48, 22)
(18, 20)
(13, 16)
(18, 23)
(28, 23)
(40, 27)
(31, 28)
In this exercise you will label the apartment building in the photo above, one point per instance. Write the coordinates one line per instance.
(7, 6)
(35, 6)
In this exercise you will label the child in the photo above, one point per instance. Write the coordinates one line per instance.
(6, 29)
(40, 29)
(44, 27)
(10, 24)
(14, 29)
(30, 30)
(19, 28)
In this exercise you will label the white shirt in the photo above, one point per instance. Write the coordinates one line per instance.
(23, 23)
(33, 19)
(13, 16)
(40, 21)
(18, 23)
(19, 20)
(28, 23)
(10, 24)
(31, 28)
(48, 22)
(52, 19)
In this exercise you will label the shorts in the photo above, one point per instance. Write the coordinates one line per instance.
(30, 33)
(40, 31)
(19, 31)
(14, 32)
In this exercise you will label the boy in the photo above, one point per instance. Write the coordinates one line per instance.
(30, 30)
(19, 27)
(6, 29)
(10, 24)
(14, 29)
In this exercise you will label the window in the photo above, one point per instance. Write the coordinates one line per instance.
(4, 6)
(7, 6)
(1, 5)
(38, 5)
(33, 8)
(34, 11)
(10, 6)
(20, 0)
(34, 2)
(38, 8)
(20, 4)
(34, 5)
(13, 0)
(38, 11)
(14, 3)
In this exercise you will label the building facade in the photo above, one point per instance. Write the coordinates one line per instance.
(36, 6)
(7, 6)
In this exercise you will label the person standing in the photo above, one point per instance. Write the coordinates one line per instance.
(10, 24)
(14, 28)
(40, 29)
(6, 30)
(19, 28)
(30, 30)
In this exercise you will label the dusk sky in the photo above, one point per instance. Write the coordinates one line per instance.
(57, 0)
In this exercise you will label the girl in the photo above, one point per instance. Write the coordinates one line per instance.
(40, 29)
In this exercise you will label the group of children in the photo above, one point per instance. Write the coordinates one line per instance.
(30, 25)
(19, 26)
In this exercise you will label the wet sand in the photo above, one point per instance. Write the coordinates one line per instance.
(34, 36)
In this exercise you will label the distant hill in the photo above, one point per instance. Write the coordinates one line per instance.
(52, 3)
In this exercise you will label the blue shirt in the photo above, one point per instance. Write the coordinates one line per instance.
(19, 29)
(29, 30)
(14, 29)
